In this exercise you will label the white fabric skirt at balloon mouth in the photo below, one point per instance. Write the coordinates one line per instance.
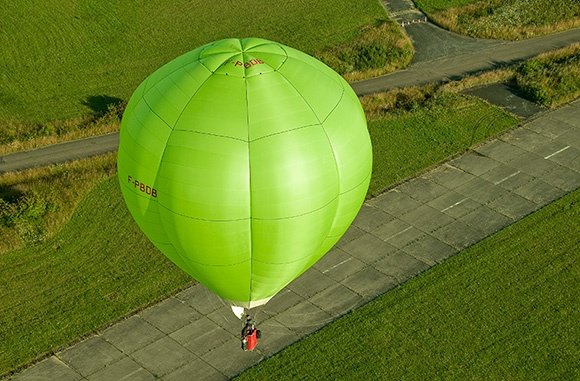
(238, 308)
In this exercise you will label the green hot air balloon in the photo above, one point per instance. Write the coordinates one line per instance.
(244, 161)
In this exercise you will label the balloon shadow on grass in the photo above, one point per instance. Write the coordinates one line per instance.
(103, 104)
(9, 194)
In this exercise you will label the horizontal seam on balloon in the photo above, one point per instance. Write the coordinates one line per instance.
(201, 219)
(274, 69)
(207, 264)
(208, 133)
(264, 44)
(285, 57)
(358, 185)
(298, 215)
(283, 132)
(255, 218)
(283, 263)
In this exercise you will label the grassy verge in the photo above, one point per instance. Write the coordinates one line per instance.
(414, 129)
(36, 203)
(378, 50)
(503, 19)
(19, 136)
(550, 79)
(99, 267)
(505, 308)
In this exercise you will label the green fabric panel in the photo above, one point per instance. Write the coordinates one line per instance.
(221, 162)
(288, 239)
(267, 117)
(217, 108)
(230, 282)
(351, 144)
(322, 98)
(288, 171)
(177, 64)
(144, 138)
(171, 94)
(259, 158)
(347, 202)
(215, 243)
(136, 98)
(286, 273)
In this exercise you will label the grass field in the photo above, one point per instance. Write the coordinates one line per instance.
(503, 19)
(73, 58)
(551, 79)
(65, 286)
(506, 308)
(98, 268)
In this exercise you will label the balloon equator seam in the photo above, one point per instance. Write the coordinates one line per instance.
(357, 185)
(210, 134)
(250, 217)
(216, 265)
(243, 140)
(247, 260)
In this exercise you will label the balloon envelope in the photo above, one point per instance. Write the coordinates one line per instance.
(244, 161)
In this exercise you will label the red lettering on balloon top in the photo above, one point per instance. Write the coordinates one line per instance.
(148, 190)
(248, 64)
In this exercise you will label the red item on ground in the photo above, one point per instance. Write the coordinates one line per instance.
(252, 340)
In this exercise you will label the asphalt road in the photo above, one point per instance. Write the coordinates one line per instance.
(461, 58)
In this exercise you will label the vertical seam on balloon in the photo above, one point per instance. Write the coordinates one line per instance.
(335, 106)
(285, 56)
(321, 126)
(329, 144)
(249, 178)
(165, 149)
